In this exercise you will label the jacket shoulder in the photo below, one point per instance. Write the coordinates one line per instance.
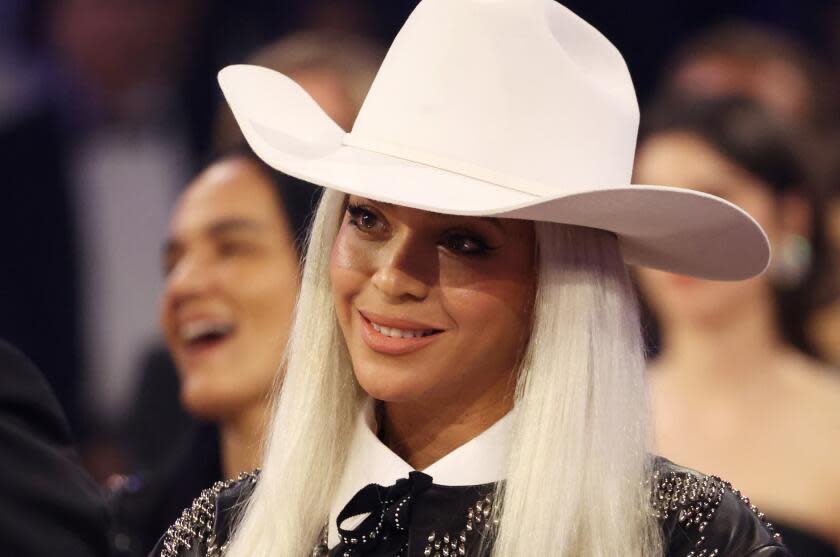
(705, 515)
(203, 528)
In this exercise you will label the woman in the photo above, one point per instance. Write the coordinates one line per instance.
(725, 347)
(231, 264)
(448, 322)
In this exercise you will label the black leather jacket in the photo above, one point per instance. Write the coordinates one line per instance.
(701, 516)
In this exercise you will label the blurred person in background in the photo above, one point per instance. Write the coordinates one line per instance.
(789, 79)
(335, 68)
(748, 59)
(729, 348)
(232, 268)
(94, 162)
(49, 505)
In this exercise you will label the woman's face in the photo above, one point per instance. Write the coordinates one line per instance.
(432, 306)
(231, 283)
(684, 159)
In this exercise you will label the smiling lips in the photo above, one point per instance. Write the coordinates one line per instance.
(198, 336)
(395, 337)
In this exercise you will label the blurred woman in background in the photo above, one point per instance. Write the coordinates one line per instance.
(232, 278)
(232, 272)
(729, 348)
(791, 80)
(231, 265)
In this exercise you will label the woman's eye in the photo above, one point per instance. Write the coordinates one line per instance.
(230, 248)
(362, 218)
(465, 244)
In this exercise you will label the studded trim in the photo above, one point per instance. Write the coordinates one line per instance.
(322, 549)
(694, 499)
(480, 521)
(195, 525)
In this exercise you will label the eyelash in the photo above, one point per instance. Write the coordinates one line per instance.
(481, 245)
(359, 212)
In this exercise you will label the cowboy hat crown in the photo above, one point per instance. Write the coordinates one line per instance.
(464, 78)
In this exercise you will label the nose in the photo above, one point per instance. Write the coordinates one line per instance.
(405, 269)
(188, 279)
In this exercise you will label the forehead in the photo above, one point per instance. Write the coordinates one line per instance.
(686, 160)
(229, 189)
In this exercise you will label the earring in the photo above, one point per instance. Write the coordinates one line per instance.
(791, 262)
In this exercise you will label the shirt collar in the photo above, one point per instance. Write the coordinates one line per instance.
(479, 461)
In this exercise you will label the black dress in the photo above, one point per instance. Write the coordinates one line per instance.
(700, 516)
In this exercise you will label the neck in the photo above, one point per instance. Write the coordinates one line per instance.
(241, 440)
(729, 353)
(421, 433)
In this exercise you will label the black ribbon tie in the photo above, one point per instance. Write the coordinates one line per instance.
(385, 529)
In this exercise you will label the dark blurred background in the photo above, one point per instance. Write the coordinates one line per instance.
(107, 109)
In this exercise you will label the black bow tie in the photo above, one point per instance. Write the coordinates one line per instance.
(385, 530)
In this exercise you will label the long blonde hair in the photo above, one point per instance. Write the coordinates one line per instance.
(578, 467)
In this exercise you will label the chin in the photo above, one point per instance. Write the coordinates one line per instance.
(199, 406)
(385, 385)
(206, 402)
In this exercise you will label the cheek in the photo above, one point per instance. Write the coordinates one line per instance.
(265, 293)
(490, 313)
(653, 286)
(685, 298)
(762, 208)
(166, 317)
(350, 268)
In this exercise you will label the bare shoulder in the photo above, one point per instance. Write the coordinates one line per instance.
(817, 387)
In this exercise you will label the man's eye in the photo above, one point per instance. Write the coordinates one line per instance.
(362, 218)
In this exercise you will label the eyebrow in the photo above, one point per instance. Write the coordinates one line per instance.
(218, 228)
(232, 225)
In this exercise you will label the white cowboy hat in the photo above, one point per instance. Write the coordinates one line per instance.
(507, 108)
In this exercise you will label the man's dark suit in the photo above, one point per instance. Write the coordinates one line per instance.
(48, 504)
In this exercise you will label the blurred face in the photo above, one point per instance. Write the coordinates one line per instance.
(231, 283)
(777, 84)
(432, 306)
(685, 160)
(328, 91)
(97, 37)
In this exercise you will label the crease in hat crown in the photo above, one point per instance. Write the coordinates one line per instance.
(444, 96)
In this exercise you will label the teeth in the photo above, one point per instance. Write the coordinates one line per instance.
(399, 333)
(197, 329)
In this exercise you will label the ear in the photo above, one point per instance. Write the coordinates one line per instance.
(795, 215)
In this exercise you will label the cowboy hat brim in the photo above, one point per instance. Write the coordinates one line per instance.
(672, 229)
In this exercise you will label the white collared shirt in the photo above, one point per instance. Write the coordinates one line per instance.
(479, 461)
